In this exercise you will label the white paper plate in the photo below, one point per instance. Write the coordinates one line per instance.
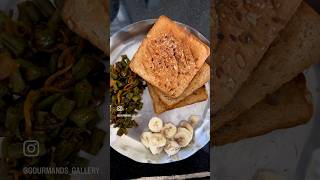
(126, 42)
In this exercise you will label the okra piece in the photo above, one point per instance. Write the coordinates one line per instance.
(45, 7)
(63, 150)
(53, 63)
(55, 20)
(41, 116)
(44, 38)
(17, 83)
(12, 150)
(28, 10)
(82, 116)
(62, 108)
(40, 136)
(32, 97)
(31, 71)
(136, 98)
(83, 67)
(25, 64)
(14, 116)
(96, 141)
(35, 73)
(48, 101)
(83, 93)
(13, 43)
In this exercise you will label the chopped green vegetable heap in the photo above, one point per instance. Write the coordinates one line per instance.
(51, 85)
(126, 90)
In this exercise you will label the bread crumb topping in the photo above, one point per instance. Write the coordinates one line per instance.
(170, 58)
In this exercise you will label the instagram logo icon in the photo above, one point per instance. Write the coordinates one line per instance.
(31, 148)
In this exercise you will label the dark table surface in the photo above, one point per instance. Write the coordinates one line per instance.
(125, 168)
(195, 14)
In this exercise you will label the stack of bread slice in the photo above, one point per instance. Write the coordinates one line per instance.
(263, 88)
(172, 61)
(90, 20)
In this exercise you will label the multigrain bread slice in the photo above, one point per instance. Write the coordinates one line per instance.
(169, 57)
(296, 49)
(202, 77)
(246, 30)
(159, 107)
(89, 19)
(289, 106)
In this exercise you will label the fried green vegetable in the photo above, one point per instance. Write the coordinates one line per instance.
(63, 150)
(83, 93)
(84, 66)
(48, 102)
(7, 66)
(17, 83)
(44, 38)
(14, 116)
(30, 71)
(82, 116)
(41, 116)
(96, 141)
(14, 43)
(126, 90)
(28, 12)
(12, 150)
(52, 82)
(28, 105)
(63, 107)
(53, 63)
(45, 7)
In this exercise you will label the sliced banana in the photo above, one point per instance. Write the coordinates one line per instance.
(194, 120)
(169, 130)
(157, 140)
(183, 136)
(156, 150)
(155, 124)
(145, 138)
(187, 125)
(172, 148)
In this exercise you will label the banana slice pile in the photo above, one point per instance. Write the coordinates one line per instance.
(167, 137)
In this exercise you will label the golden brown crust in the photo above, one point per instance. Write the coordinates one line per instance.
(296, 50)
(159, 107)
(89, 19)
(287, 107)
(169, 57)
(246, 30)
(202, 77)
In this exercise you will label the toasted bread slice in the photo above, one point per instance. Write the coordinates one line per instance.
(246, 30)
(169, 57)
(89, 19)
(159, 107)
(202, 77)
(289, 106)
(296, 50)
